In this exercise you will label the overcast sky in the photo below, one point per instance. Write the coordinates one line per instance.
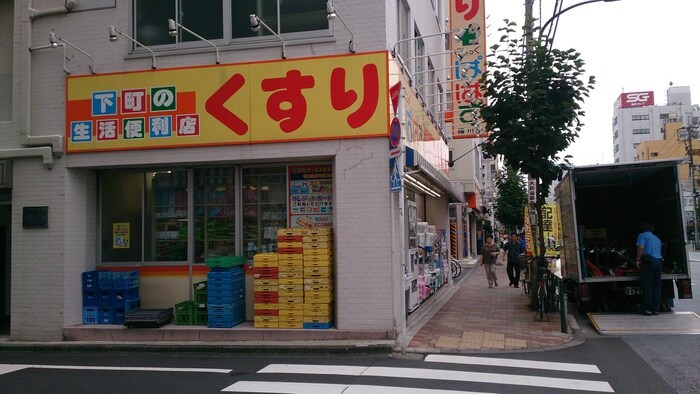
(628, 45)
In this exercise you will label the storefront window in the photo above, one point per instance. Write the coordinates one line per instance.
(165, 216)
(144, 216)
(121, 226)
(264, 208)
(214, 213)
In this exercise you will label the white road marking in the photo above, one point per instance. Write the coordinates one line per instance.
(506, 362)
(326, 388)
(436, 374)
(6, 368)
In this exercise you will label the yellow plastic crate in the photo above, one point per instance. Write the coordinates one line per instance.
(265, 282)
(327, 262)
(315, 231)
(291, 293)
(317, 245)
(291, 307)
(318, 252)
(317, 320)
(328, 288)
(287, 314)
(266, 264)
(317, 272)
(265, 325)
(281, 245)
(319, 314)
(317, 238)
(290, 231)
(284, 264)
(290, 256)
(291, 325)
(318, 281)
(290, 287)
(265, 257)
(265, 288)
(317, 306)
(286, 270)
(317, 298)
(265, 305)
(265, 319)
(291, 281)
(290, 300)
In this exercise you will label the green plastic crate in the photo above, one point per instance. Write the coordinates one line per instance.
(200, 316)
(185, 313)
(224, 261)
(200, 292)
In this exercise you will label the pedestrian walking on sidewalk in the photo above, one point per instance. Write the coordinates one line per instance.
(649, 262)
(489, 254)
(513, 249)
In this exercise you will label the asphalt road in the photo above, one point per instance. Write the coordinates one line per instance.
(600, 365)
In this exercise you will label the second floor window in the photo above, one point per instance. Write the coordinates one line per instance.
(226, 21)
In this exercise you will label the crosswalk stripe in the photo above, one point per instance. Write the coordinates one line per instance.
(326, 388)
(436, 374)
(506, 362)
(5, 368)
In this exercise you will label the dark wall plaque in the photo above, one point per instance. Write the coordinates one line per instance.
(35, 217)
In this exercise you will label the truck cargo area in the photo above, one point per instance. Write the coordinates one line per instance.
(601, 210)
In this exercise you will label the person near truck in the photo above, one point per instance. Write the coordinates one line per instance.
(489, 254)
(514, 249)
(649, 262)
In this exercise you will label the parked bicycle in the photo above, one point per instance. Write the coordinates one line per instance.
(541, 293)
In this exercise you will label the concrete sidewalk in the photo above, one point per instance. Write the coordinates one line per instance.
(477, 318)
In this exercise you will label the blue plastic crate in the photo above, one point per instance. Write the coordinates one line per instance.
(104, 297)
(118, 315)
(119, 296)
(222, 276)
(223, 321)
(90, 297)
(104, 279)
(105, 315)
(125, 280)
(90, 315)
(318, 326)
(90, 280)
(224, 297)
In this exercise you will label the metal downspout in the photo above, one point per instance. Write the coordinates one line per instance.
(46, 146)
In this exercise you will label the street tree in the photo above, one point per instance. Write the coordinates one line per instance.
(533, 107)
(512, 199)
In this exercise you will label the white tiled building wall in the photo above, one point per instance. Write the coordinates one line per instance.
(46, 263)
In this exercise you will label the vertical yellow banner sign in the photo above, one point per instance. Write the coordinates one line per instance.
(467, 19)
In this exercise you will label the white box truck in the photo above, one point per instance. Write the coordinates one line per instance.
(601, 208)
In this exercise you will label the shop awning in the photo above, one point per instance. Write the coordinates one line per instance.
(430, 175)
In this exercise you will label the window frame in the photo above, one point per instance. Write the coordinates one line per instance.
(227, 42)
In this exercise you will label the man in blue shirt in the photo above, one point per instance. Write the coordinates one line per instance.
(649, 262)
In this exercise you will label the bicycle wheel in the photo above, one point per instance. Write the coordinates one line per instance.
(456, 268)
(541, 299)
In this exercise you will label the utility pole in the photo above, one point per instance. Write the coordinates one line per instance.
(693, 184)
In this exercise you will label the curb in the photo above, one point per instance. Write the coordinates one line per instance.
(247, 348)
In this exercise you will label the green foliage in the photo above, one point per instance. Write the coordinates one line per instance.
(512, 199)
(533, 108)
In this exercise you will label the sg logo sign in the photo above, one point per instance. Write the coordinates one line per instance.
(638, 99)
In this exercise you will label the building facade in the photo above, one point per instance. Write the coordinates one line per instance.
(637, 118)
(137, 143)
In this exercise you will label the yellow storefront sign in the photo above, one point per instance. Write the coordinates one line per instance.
(318, 98)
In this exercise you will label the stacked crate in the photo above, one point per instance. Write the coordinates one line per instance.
(107, 296)
(193, 313)
(225, 295)
(318, 277)
(291, 277)
(265, 286)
